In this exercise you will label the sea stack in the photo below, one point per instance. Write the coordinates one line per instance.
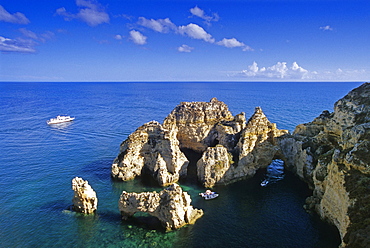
(150, 150)
(207, 129)
(171, 206)
(84, 199)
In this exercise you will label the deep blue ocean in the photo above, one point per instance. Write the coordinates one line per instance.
(38, 162)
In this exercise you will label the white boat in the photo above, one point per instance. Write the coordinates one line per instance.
(60, 119)
(208, 195)
(264, 183)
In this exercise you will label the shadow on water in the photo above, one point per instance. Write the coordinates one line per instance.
(193, 157)
(100, 169)
(144, 221)
(56, 206)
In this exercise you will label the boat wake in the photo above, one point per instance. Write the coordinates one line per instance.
(275, 172)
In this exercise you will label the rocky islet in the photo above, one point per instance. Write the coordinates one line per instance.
(331, 154)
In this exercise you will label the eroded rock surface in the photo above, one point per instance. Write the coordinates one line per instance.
(229, 161)
(150, 150)
(84, 199)
(332, 153)
(258, 145)
(191, 122)
(200, 127)
(171, 206)
(214, 166)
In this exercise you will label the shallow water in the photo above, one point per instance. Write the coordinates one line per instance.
(39, 161)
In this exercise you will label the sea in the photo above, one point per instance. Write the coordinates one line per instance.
(38, 162)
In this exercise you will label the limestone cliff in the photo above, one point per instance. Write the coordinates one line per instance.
(258, 145)
(192, 122)
(203, 127)
(171, 206)
(251, 146)
(214, 166)
(332, 153)
(150, 150)
(84, 199)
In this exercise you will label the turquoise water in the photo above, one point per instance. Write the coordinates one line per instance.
(38, 162)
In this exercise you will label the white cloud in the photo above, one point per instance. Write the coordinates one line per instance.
(196, 11)
(281, 71)
(191, 30)
(185, 48)
(137, 37)
(17, 17)
(278, 71)
(42, 37)
(326, 28)
(17, 45)
(28, 33)
(196, 32)
(90, 12)
(160, 25)
(230, 43)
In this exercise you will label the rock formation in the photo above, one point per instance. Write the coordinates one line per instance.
(199, 126)
(171, 206)
(332, 153)
(150, 150)
(192, 122)
(84, 199)
(214, 166)
(257, 146)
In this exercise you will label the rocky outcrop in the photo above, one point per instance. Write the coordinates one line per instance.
(257, 146)
(171, 206)
(332, 153)
(84, 199)
(191, 123)
(214, 166)
(150, 150)
(203, 127)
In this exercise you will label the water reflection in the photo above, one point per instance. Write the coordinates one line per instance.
(60, 126)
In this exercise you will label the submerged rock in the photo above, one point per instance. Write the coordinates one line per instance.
(84, 199)
(171, 206)
(332, 153)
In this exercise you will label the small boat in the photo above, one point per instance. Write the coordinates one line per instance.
(208, 195)
(264, 183)
(60, 119)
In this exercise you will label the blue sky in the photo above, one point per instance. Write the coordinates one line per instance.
(205, 40)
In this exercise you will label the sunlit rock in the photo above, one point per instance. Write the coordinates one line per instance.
(149, 150)
(84, 199)
(332, 153)
(213, 166)
(192, 122)
(171, 206)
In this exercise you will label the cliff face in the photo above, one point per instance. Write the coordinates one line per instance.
(207, 128)
(191, 123)
(171, 206)
(258, 145)
(241, 151)
(150, 150)
(332, 154)
(84, 199)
